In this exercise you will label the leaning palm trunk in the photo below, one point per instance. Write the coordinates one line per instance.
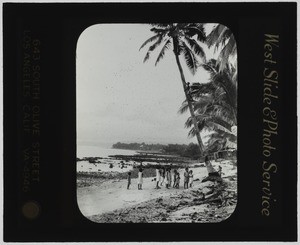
(183, 43)
(197, 132)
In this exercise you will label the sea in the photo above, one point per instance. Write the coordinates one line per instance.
(103, 165)
(100, 151)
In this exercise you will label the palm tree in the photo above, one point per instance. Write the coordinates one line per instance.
(184, 38)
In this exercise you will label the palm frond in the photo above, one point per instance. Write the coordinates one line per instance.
(223, 80)
(183, 108)
(211, 66)
(163, 25)
(227, 50)
(223, 117)
(163, 50)
(152, 47)
(212, 122)
(202, 88)
(188, 123)
(217, 126)
(196, 29)
(216, 36)
(219, 134)
(202, 97)
(159, 31)
(226, 35)
(201, 120)
(196, 48)
(203, 104)
(151, 39)
(189, 58)
(192, 133)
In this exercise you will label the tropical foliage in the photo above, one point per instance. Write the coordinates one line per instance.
(222, 37)
(215, 102)
(191, 150)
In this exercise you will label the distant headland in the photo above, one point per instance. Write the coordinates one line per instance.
(191, 150)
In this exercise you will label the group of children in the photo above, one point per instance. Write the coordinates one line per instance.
(164, 175)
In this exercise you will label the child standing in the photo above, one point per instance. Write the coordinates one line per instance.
(191, 178)
(157, 177)
(177, 180)
(186, 179)
(168, 178)
(220, 170)
(128, 180)
(163, 175)
(140, 179)
(175, 176)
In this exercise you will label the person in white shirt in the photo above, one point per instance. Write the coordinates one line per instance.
(186, 179)
(140, 179)
(157, 177)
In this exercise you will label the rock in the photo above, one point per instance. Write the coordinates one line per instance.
(164, 219)
(159, 200)
(171, 207)
(212, 178)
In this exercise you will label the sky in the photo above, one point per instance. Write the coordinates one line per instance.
(122, 99)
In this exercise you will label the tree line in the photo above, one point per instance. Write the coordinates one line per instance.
(138, 146)
(183, 150)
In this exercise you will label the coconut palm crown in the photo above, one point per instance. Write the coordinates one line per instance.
(182, 36)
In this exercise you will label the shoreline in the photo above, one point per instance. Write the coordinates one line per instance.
(103, 197)
(209, 203)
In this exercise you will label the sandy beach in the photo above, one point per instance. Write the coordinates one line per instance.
(108, 200)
